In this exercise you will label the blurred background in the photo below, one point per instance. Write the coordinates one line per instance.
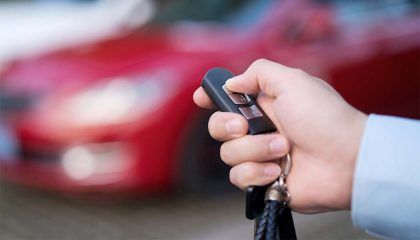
(100, 139)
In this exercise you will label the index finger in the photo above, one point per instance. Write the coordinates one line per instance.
(266, 76)
(202, 99)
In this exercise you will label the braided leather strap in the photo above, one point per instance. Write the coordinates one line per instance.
(271, 232)
(267, 228)
(262, 224)
(275, 223)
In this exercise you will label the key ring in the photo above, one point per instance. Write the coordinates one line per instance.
(285, 164)
(276, 221)
(277, 191)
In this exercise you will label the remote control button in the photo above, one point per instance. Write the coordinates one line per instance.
(227, 90)
(237, 98)
(250, 112)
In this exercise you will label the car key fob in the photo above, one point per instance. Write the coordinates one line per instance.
(227, 101)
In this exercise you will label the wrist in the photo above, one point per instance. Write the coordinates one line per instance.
(357, 130)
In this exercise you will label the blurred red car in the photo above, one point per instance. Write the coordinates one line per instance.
(118, 116)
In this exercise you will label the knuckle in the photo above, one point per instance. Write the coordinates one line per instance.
(259, 62)
(299, 73)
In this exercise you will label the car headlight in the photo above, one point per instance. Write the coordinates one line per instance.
(97, 163)
(119, 100)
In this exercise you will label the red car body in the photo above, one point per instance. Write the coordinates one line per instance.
(372, 61)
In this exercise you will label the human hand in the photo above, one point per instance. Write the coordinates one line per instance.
(319, 128)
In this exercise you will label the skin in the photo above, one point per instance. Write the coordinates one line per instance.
(315, 124)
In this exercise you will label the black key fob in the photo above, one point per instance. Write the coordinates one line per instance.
(254, 205)
(227, 101)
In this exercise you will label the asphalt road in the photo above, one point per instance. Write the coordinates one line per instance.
(31, 214)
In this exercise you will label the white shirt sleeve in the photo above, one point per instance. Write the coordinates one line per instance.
(386, 185)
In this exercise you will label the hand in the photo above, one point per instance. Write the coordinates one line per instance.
(319, 128)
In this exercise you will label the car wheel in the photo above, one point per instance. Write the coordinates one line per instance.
(202, 169)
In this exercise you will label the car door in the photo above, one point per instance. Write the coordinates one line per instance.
(368, 50)
(381, 56)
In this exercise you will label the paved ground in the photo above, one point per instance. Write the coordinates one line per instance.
(29, 214)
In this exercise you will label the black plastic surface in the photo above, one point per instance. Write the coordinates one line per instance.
(254, 201)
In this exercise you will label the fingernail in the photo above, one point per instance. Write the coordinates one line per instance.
(231, 80)
(276, 145)
(234, 126)
(272, 170)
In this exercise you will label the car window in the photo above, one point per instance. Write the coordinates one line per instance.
(237, 12)
(361, 11)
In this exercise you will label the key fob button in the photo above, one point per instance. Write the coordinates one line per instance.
(237, 98)
(250, 112)
(227, 90)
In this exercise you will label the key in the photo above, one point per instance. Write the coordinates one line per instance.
(227, 101)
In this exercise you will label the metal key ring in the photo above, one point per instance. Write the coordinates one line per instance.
(285, 164)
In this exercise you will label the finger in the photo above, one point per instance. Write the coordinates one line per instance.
(254, 174)
(202, 99)
(225, 126)
(264, 75)
(254, 148)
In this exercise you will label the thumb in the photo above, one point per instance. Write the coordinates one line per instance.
(263, 75)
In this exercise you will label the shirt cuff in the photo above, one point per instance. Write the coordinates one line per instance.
(386, 185)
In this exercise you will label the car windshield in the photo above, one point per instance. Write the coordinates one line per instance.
(31, 27)
(233, 12)
(361, 12)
